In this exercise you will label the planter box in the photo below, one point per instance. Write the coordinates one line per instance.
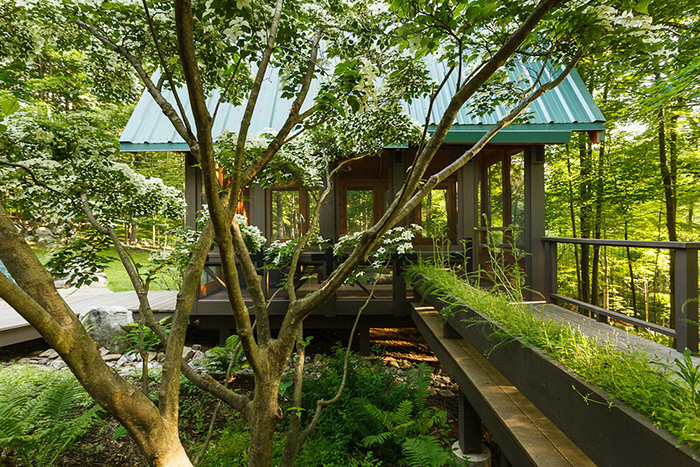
(607, 430)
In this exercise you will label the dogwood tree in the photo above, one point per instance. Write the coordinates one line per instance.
(367, 57)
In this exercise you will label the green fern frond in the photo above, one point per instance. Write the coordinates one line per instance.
(425, 451)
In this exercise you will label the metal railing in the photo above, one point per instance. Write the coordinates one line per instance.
(684, 291)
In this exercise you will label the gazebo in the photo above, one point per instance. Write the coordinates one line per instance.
(498, 197)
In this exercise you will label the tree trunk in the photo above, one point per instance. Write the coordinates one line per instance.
(35, 298)
(264, 414)
(598, 220)
(631, 271)
(572, 213)
(667, 160)
(586, 215)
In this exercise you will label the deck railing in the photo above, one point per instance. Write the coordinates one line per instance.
(684, 293)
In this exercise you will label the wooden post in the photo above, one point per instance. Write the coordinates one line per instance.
(193, 191)
(535, 220)
(328, 225)
(258, 210)
(685, 291)
(467, 208)
(470, 432)
(398, 288)
(365, 348)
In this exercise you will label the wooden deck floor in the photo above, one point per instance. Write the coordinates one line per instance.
(14, 329)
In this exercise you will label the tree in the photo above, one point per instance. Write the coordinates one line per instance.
(346, 46)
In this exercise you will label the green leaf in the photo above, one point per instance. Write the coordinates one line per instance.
(9, 105)
(119, 432)
(643, 6)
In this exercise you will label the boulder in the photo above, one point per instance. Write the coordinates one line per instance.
(44, 235)
(106, 324)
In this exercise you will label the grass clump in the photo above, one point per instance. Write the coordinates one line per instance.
(666, 395)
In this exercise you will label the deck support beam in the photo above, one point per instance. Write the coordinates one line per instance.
(470, 429)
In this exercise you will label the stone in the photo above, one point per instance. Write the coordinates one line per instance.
(58, 364)
(160, 357)
(152, 356)
(44, 235)
(186, 351)
(196, 347)
(103, 351)
(50, 354)
(445, 393)
(111, 357)
(196, 356)
(431, 391)
(106, 324)
(123, 360)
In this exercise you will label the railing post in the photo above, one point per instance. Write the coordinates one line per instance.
(550, 254)
(686, 299)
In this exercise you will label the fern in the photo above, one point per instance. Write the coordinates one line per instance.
(402, 431)
(425, 451)
(42, 413)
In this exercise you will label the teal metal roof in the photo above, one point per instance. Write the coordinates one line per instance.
(552, 118)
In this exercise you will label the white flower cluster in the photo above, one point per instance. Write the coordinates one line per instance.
(252, 236)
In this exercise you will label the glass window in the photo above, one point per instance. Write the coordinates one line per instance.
(495, 195)
(286, 216)
(434, 214)
(360, 209)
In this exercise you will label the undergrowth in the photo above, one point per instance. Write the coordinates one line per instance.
(666, 395)
(42, 412)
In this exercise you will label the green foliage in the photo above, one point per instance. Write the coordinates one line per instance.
(42, 412)
(382, 389)
(141, 338)
(402, 430)
(218, 359)
(626, 374)
(78, 259)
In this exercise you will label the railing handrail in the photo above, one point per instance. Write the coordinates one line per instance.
(630, 243)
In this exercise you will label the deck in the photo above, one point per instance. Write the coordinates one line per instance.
(14, 329)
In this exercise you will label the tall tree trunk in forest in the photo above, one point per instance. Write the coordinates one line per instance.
(629, 265)
(599, 186)
(572, 213)
(586, 214)
(669, 172)
(597, 222)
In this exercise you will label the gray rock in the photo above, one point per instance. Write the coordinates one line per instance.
(196, 347)
(106, 324)
(186, 351)
(123, 360)
(160, 357)
(111, 357)
(51, 354)
(152, 356)
(446, 393)
(196, 356)
(44, 235)
(103, 351)
(58, 364)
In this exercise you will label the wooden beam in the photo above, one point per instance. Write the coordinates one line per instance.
(535, 266)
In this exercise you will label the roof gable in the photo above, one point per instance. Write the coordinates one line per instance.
(552, 118)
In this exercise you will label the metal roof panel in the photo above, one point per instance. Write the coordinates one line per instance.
(569, 107)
